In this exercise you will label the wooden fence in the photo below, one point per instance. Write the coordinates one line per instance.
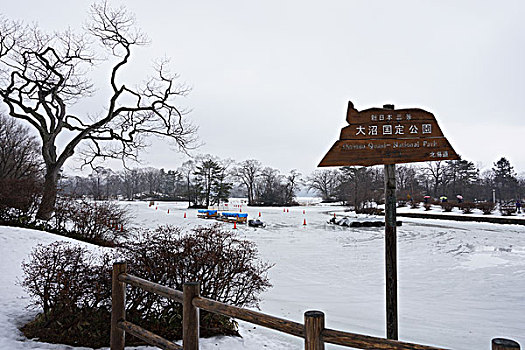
(313, 331)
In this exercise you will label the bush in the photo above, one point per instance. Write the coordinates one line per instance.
(467, 207)
(226, 266)
(447, 206)
(97, 222)
(486, 207)
(20, 194)
(370, 211)
(73, 286)
(414, 204)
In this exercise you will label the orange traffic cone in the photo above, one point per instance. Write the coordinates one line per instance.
(334, 215)
(240, 210)
(184, 215)
(304, 212)
(284, 210)
(259, 214)
(304, 223)
(156, 208)
(287, 210)
(168, 211)
(234, 225)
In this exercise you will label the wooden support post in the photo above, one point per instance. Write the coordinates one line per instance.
(391, 249)
(190, 317)
(313, 327)
(504, 344)
(118, 307)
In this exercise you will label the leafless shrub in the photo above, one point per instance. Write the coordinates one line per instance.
(415, 204)
(227, 268)
(486, 207)
(73, 286)
(466, 207)
(62, 276)
(98, 222)
(447, 206)
(19, 194)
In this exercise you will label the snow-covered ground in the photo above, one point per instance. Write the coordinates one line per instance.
(460, 283)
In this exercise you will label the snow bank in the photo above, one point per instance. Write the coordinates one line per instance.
(460, 283)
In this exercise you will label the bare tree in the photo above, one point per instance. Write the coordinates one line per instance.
(248, 171)
(20, 166)
(19, 151)
(291, 185)
(325, 182)
(435, 171)
(43, 75)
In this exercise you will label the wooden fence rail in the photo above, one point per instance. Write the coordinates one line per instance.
(312, 331)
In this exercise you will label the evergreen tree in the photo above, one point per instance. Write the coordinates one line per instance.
(505, 180)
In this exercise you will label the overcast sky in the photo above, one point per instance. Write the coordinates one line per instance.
(271, 79)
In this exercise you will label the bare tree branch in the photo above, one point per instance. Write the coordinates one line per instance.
(43, 75)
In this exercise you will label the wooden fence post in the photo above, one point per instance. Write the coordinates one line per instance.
(504, 344)
(313, 327)
(118, 307)
(190, 316)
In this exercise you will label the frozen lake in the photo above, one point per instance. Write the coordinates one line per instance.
(460, 283)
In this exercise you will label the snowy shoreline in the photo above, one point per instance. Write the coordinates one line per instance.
(460, 283)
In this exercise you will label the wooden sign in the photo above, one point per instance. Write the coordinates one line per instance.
(388, 136)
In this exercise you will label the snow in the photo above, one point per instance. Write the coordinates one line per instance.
(460, 283)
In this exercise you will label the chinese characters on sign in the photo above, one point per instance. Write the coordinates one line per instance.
(398, 129)
(390, 129)
(388, 136)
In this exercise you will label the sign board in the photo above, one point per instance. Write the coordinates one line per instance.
(389, 136)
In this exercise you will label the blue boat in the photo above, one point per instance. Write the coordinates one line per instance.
(207, 213)
(240, 218)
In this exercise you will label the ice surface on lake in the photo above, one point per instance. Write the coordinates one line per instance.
(460, 283)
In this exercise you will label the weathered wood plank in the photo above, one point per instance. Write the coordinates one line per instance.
(118, 307)
(387, 136)
(285, 326)
(190, 317)
(156, 288)
(391, 252)
(382, 151)
(504, 344)
(147, 336)
(313, 327)
(360, 341)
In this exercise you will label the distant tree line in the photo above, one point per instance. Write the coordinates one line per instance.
(357, 185)
(207, 180)
(203, 181)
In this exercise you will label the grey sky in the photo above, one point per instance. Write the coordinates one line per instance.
(271, 79)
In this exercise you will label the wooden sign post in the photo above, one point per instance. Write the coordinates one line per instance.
(388, 136)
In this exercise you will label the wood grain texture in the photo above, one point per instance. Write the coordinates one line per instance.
(156, 288)
(504, 344)
(383, 136)
(313, 327)
(360, 341)
(190, 317)
(118, 307)
(391, 252)
(285, 326)
(147, 336)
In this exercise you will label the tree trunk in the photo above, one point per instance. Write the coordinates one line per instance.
(49, 195)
